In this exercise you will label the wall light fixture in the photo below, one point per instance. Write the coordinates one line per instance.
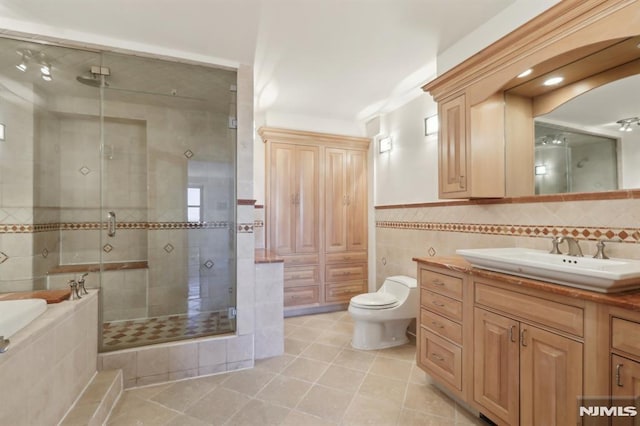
(385, 144)
(431, 125)
(1, 132)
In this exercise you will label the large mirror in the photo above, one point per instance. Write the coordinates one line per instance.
(598, 132)
(587, 129)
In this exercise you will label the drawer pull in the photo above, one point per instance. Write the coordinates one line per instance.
(295, 277)
(436, 356)
(436, 324)
(438, 304)
(523, 340)
(346, 257)
(618, 368)
(512, 336)
(438, 282)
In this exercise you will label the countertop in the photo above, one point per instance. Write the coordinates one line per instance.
(265, 256)
(627, 300)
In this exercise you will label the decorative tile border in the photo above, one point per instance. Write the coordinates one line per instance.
(96, 226)
(630, 235)
(245, 228)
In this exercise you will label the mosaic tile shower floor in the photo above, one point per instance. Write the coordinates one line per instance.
(131, 333)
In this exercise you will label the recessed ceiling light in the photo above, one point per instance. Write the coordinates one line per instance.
(553, 81)
(525, 73)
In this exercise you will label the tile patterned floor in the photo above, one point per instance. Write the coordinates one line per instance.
(126, 334)
(320, 380)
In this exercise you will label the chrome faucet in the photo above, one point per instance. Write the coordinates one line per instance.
(600, 254)
(4, 344)
(75, 293)
(81, 289)
(574, 246)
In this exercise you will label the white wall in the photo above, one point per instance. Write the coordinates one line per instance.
(409, 172)
(497, 27)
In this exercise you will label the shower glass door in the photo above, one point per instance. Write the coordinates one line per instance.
(168, 200)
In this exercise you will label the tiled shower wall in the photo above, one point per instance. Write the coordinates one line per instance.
(438, 230)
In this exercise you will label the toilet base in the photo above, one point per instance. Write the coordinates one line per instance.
(371, 335)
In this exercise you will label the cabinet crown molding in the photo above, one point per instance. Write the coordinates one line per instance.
(312, 138)
(517, 48)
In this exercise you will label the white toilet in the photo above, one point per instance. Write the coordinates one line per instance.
(381, 318)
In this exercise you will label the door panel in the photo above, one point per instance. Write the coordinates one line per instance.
(307, 200)
(336, 200)
(357, 201)
(496, 363)
(282, 205)
(550, 378)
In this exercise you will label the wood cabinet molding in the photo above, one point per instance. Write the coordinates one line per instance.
(313, 138)
(568, 25)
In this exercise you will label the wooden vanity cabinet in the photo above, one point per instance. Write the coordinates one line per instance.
(444, 334)
(528, 371)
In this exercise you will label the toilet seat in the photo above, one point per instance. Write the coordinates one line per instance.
(374, 301)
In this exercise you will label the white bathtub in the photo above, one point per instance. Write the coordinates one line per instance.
(16, 314)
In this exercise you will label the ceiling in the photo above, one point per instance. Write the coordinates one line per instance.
(335, 59)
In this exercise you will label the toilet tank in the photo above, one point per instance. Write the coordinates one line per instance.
(400, 286)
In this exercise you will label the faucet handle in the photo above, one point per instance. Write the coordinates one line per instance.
(556, 242)
(600, 254)
(75, 294)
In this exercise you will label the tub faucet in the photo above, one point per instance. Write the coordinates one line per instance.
(574, 246)
(75, 294)
(4, 344)
(81, 289)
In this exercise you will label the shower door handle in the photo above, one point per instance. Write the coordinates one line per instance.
(111, 225)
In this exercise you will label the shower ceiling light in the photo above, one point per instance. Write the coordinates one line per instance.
(625, 124)
(22, 66)
(45, 69)
(46, 77)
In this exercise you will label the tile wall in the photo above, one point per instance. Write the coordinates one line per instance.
(438, 230)
(49, 363)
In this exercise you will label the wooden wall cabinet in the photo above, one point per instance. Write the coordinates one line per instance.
(482, 153)
(471, 148)
(316, 211)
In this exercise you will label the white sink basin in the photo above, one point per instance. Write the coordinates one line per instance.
(602, 275)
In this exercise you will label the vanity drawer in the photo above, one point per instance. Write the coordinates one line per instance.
(301, 276)
(347, 257)
(441, 358)
(441, 326)
(301, 295)
(353, 272)
(542, 311)
(625, 336)
(441, 283)
(445, 306)
(343, 292)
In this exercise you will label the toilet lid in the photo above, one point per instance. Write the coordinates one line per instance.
(374, 300)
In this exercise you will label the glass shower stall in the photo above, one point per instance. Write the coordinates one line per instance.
(122, 167)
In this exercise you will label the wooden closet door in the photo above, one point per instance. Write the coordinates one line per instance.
(357, 200)
(282, 203)
(336, 200)
(307, 200)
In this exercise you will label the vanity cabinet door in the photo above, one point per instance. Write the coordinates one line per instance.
(496, 365)
(625, 378)
(453, 148)
(550, 378)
